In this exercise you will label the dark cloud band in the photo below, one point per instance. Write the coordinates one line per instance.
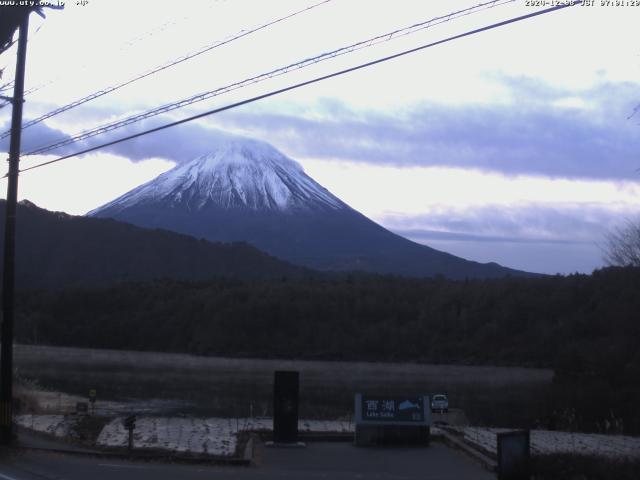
(531, 134)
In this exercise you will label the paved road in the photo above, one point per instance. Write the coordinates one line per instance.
(344, 461)
(317, 461)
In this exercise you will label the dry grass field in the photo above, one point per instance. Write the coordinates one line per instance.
(238, 387)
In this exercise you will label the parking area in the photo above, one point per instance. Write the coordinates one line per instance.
(342, 460)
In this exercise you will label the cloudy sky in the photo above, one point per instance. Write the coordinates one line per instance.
(518, 145)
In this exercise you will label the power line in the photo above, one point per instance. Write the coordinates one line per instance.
(163, 27)
(268, 75)
(157, 69)
(8, 86)
(127, 44)
(164, 66)
(307, 82)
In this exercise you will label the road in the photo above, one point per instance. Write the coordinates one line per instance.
(318, 461)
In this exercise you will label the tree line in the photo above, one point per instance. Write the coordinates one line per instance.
(585, 327)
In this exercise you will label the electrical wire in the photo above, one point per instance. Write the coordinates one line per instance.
(308, 82)
(10, 83)
(127, 44)
(386, 37)
(164, 66)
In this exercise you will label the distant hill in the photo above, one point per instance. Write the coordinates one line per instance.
(246, 190)
(54, 249)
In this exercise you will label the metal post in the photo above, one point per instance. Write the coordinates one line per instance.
(8, 274)
(130, 449)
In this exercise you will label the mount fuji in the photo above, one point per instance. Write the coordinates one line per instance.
(246, 190)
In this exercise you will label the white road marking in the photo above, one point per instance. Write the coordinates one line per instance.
(114, 465)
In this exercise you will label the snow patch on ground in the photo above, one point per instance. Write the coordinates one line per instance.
(547, 442)
(218, 436)
(57, 425)
(212, 436)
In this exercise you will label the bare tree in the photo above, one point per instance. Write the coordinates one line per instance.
(622, 246)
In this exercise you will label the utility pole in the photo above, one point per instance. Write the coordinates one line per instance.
(8, 274)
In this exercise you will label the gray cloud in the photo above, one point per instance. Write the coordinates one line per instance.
(543, 239)
(178, 144)
(36, 136)
(428, 235)
(533, 223)
(530, 136)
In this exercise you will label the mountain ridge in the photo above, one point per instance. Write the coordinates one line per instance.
(55, 249)
(246, 190)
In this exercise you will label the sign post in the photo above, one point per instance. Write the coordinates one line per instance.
(92, 398)
(82, 408)
(130, 423)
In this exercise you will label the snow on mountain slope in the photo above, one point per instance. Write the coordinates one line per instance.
(240, 173)
(245, 190)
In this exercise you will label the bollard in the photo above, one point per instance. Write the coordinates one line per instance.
(130, 423)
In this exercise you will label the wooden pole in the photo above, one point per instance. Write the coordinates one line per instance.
(8, 274)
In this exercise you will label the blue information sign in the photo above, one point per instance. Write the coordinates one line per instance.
(392, 409)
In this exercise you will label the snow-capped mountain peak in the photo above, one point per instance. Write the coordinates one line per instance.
(245, 190)
(238, 173)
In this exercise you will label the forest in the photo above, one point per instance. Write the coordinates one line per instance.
(585, 327)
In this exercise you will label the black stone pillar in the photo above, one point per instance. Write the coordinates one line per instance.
(285, 407)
